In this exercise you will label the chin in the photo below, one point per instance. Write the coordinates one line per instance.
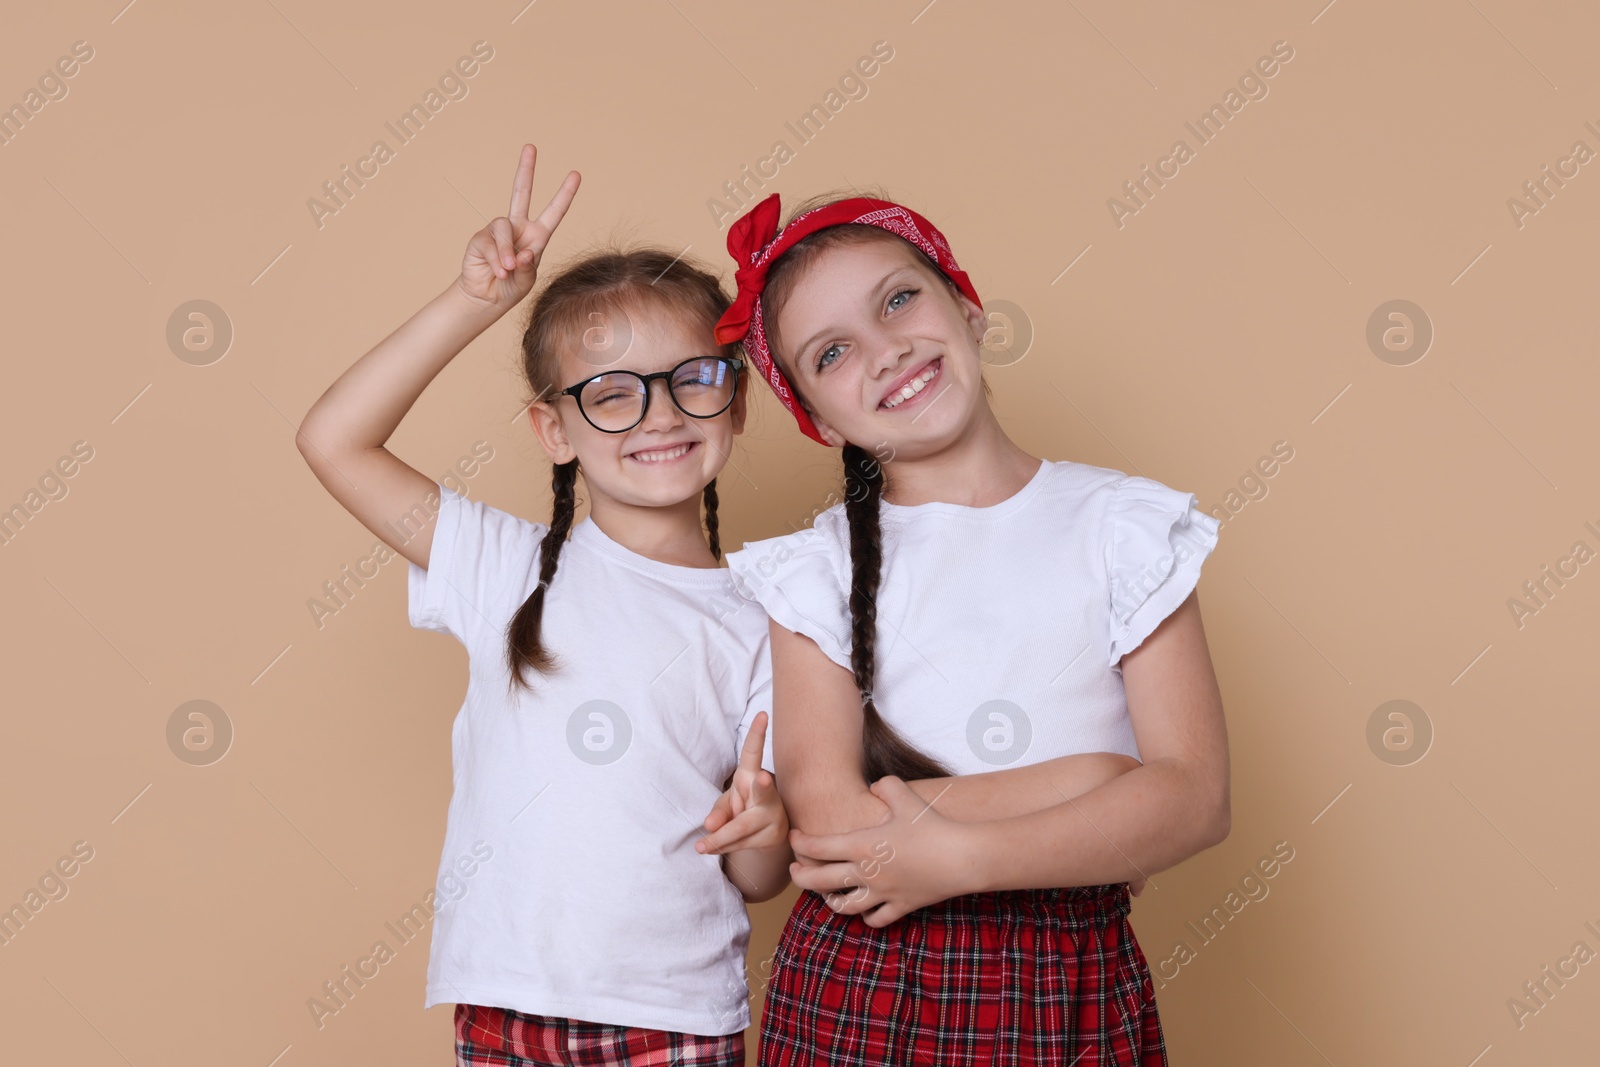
(909, 436)
(667, 485)
(666, 488)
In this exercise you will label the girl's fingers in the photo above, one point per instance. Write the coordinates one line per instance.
(536, 235)
(826, 877)
(505, 244)
(720, 844)
(755, 743)
(884, 915)
(840, 850)
(853, 901)
(720, 813)
(734, 836)
(522, 184)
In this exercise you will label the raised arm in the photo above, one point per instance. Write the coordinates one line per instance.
(343, 436)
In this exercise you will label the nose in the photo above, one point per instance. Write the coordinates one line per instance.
(660, 412)
(889, 350)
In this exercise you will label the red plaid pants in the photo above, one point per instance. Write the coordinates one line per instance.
(1052, 977)
(500, 1037)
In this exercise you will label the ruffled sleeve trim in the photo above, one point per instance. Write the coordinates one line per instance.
(1158, 540)
(800, 580)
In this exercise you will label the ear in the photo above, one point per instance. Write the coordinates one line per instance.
(551, 432)
(977, 318)
(829, 434)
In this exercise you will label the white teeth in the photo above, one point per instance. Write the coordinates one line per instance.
(912, 388)
(661, 456)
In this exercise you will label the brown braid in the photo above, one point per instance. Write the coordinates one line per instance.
(710, 498)
(883, 750)
(525, 647)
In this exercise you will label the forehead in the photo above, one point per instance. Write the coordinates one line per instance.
(637, 335)
(840, 277)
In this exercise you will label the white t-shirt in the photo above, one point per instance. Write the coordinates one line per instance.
(589, 794)
(1001, 628)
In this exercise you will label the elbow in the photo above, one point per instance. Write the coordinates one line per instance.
(1209, 800)
(313, 442)
(1202, 815)
(762, 886)
(761, 896)
(302, 440)
(1221, 825)
(1218, 823)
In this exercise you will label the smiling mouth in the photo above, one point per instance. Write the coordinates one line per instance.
(913, 388)
(664, 455)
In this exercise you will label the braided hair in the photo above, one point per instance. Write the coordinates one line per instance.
(883, 750)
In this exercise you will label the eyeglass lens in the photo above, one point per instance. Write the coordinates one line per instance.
(702, 388)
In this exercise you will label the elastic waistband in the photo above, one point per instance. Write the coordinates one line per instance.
(1070, 906)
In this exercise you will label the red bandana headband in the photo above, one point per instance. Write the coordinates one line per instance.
(754, 243)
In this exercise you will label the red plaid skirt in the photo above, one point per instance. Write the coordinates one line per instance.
(500, 1037)
(1037, 976)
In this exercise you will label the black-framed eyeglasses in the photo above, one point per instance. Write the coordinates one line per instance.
(702, 387)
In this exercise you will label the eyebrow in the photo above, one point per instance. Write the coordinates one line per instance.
(873, 293)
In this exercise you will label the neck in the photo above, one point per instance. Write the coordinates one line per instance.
(981, 468)
(669, 534)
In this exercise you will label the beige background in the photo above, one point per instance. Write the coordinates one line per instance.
(1228, 314)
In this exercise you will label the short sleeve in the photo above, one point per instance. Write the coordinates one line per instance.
(800, 580)
(1157, 539)
(760, 700)
(480, 555)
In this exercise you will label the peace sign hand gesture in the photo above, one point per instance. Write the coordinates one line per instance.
(502, 259)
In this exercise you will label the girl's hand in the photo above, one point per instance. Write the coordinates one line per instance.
(914, 858)
(749, 814)
(502, 259)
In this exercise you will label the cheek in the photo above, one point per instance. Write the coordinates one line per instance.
(594, 447)
(718, 431)
(834, 396)
(948, 322)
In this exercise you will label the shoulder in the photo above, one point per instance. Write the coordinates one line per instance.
(478, 562)
(802, 580)
(1156, 540)
(480, 515)
(811, 554)
(1081, 483)
(484, 542)
(1113, 495)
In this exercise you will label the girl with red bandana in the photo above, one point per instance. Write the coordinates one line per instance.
(994, 706)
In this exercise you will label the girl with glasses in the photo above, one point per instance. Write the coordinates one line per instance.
(613, 795)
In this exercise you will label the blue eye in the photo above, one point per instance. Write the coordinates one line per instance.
(822, 357)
